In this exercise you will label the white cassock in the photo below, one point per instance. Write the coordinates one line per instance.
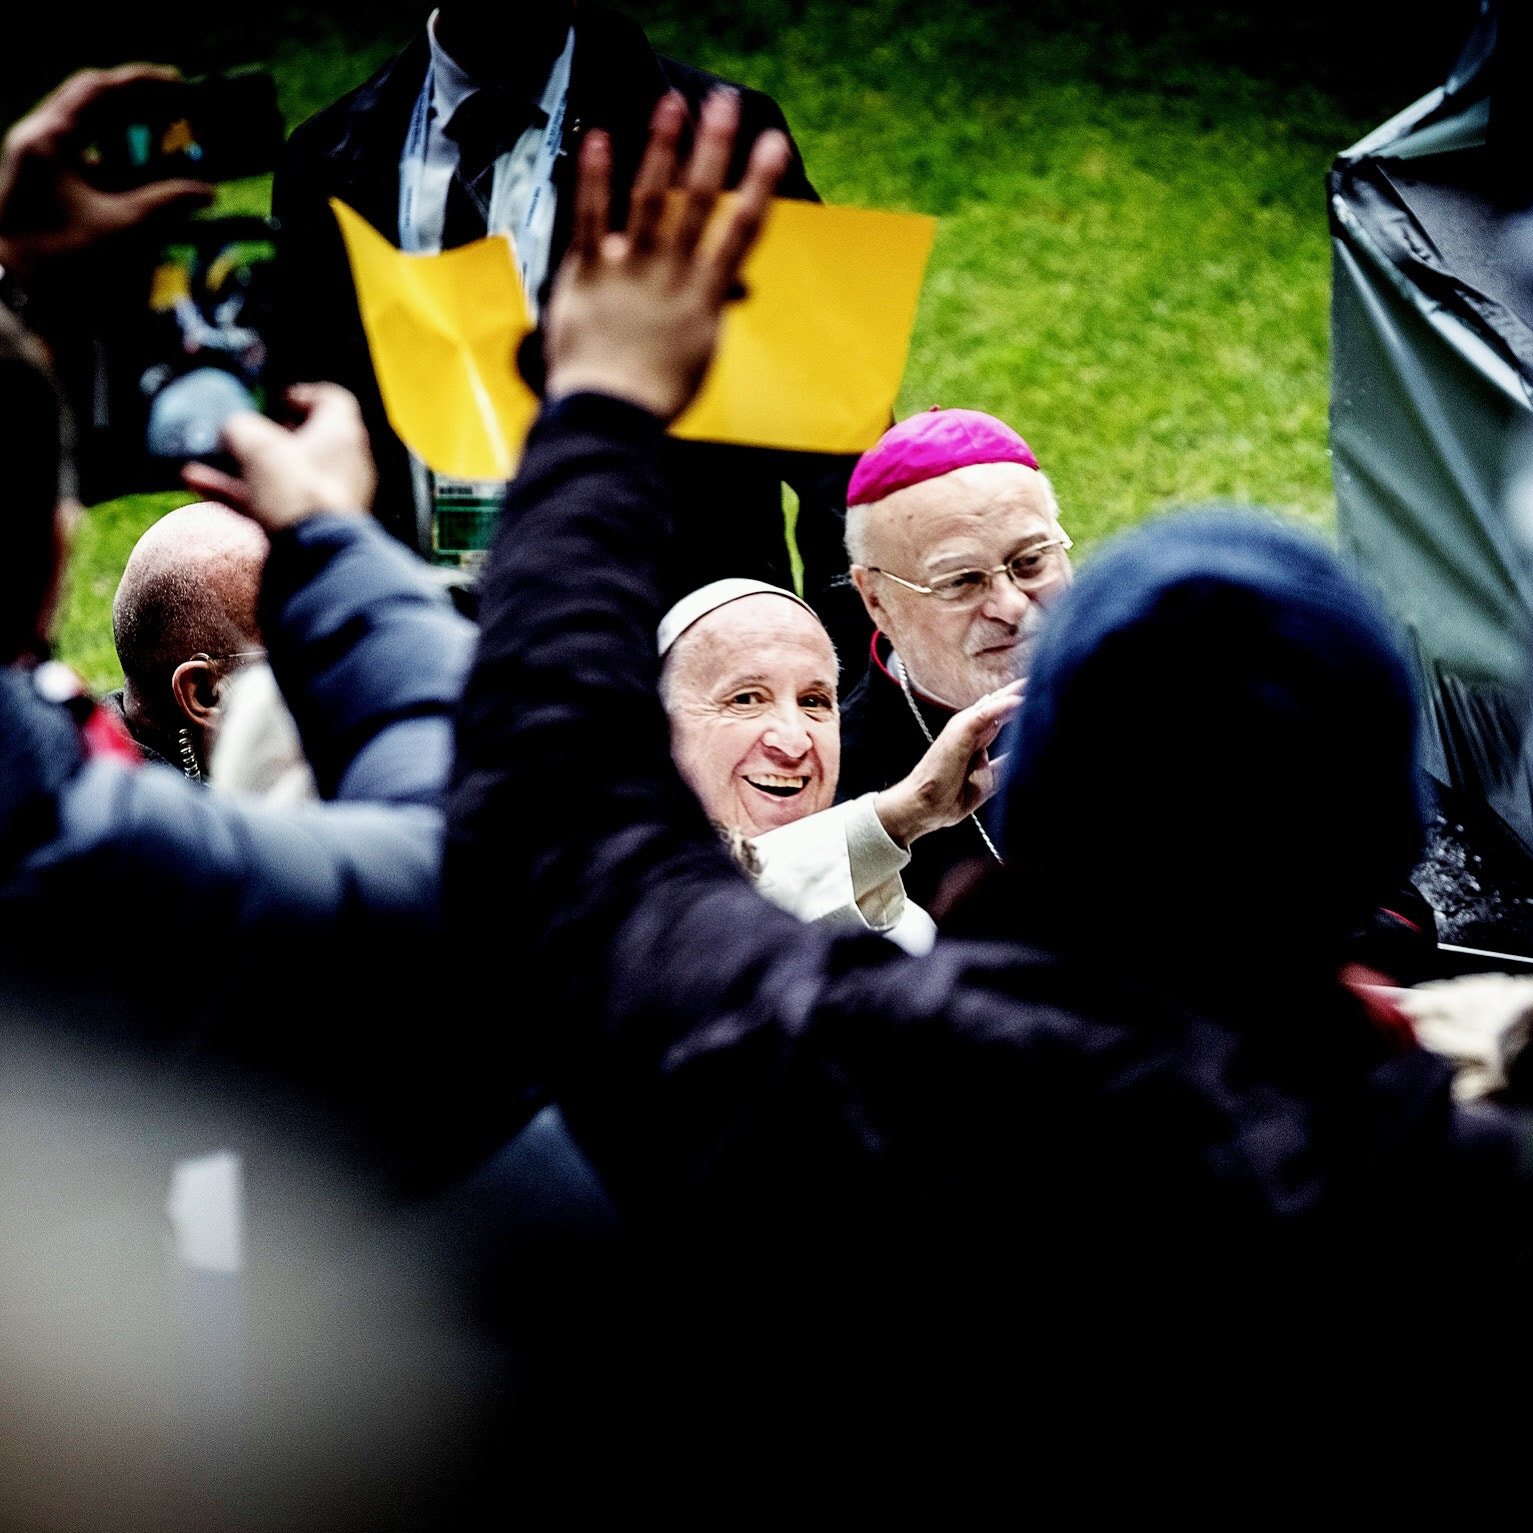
(842, 867)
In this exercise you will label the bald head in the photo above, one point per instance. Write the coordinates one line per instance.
(190, 589)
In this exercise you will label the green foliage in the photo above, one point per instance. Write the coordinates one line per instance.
(1131, 264)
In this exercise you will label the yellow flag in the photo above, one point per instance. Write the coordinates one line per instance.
(443, 331)
(810, 359)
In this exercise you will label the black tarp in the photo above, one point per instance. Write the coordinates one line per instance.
(1431, 404)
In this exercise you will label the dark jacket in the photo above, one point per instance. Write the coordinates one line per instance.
(220, 925)
(153, 747)
(1219, 717)
(730, 497)
(880, 743)
(899, 1179)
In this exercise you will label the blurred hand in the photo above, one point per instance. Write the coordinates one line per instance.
(955, 776)
(636, 315)
(290, 473)
(47, 208)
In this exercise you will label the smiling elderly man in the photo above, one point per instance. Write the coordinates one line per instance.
(749, 687)
(956, 549)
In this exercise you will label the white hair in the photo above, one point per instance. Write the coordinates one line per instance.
(857, 521)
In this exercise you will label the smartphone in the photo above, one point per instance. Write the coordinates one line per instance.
(183, 344)
(215, 129)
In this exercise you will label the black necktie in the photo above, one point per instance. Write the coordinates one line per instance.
(484, 126)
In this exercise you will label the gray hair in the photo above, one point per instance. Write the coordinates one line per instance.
(857, 521)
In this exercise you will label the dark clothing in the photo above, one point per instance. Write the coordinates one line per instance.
(283, 938)
(184, 971)
(880, 744)
(730, 498)
(371, 662)
(903, 1186)
(153, 748)
(1219, 712)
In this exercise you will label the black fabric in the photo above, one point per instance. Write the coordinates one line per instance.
(1271, 799)
(730, 498)
(483, 127)
(40, 749)
(152, 747)
(465, 218)
(1407, 209)
(886, 1189)
(881, 743)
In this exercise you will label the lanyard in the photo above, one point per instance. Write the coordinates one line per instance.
(523, 206)
(412, 163)
(522, 194)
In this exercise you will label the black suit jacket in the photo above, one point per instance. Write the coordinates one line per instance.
(730, 497)
(881, 743)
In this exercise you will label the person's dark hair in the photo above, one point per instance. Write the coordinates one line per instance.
(35, 430)
(1215, 756)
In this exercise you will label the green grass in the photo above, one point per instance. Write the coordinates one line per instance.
(103, 542)
(1136, 276)
(1132, 265)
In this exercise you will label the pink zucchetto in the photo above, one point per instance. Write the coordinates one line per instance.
(929, 445)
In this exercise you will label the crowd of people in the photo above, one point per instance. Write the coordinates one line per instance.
(965, 1019)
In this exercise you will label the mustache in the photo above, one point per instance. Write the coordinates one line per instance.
(1027, 628)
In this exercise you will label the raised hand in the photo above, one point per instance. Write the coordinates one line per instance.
(47, 208)
(955, 776)
(636, 315)
(290, 473)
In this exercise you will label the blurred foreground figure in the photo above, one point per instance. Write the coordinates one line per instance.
(183, 620)
(994, 1187)
(956, 548)
(103, 854)
(217, 1095)
(208, 1320)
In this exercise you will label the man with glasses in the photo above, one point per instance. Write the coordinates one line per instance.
(956, 550)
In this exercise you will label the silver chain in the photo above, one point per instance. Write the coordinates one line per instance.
(910, 697)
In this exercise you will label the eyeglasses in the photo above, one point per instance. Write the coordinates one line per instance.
(1037, 566)
(236, 655)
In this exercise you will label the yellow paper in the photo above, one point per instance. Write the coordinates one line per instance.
(443, 331)
(810, 359)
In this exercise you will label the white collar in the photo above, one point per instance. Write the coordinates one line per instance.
(451, 84)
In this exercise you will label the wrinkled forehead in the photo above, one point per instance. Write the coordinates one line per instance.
(984, 510)
(762, 635)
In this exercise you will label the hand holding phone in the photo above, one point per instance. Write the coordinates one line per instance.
(48, 206)
(154, 129)
(286, 474)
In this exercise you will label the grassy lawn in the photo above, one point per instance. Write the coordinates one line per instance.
(1132, 269)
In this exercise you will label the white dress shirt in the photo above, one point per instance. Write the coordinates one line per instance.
(522, 197)
(842, 867)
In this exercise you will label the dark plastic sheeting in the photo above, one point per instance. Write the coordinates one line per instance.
(1432, 383)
